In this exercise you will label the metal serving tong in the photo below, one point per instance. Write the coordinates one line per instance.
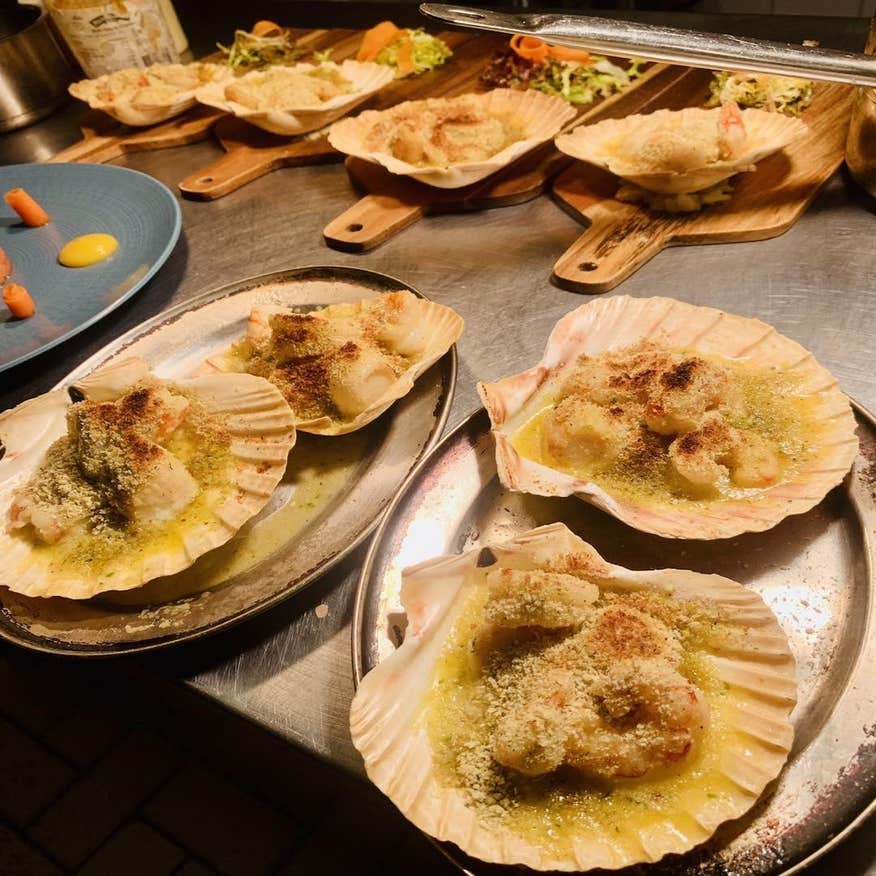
(674, 45)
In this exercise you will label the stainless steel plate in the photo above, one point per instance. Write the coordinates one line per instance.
(332, 495)
(816, 571)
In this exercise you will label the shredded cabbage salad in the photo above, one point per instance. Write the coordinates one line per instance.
(250, 52)
(780, 94)
(428, 51)
(575, 82)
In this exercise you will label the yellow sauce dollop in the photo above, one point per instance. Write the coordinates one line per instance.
(89, 249)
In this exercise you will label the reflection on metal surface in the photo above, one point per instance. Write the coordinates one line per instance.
(814, 570)
(284, 548)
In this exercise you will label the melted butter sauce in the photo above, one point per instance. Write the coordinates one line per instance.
(88, 249)
(552, 811)
(773, 408)
(317, 473)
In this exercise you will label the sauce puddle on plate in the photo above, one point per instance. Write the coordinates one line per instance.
(319, 469)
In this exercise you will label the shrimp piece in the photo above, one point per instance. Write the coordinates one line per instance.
(702, 456)
(754, 463)
(732, 136)
(647, 717)
(578, 432)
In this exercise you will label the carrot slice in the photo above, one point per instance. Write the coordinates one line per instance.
(376, 39)
(5, 266)
(530, 48)
(538, 51)
(563, 53)
(266, 28)
(405, 58)
(28, 209)
(18, 301)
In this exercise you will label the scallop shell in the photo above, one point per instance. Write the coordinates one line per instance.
(262, 433)
(603, 144)
(615, 323)
(541, 116)
(445, 326)
(140, 114)
(387, 728)
(366, 78)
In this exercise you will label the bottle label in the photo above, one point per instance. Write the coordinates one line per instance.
(111, 36)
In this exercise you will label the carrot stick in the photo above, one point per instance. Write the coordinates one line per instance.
(563, 53)
(28, 209)
(18, 301)
(405, 58)
(5, 266)
(376, 39)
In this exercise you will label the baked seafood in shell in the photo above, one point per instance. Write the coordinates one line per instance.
(683, 421)
(148, 96)
(682, 151)
(456, 141)
(135, 479)
(631, 712)
(297, 99)
(341, 366)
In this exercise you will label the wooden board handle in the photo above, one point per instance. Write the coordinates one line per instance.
(619, 240)
(369, 222)
(242, 164)
(225, 175)
(91, 150)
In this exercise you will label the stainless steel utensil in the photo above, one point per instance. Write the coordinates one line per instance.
(670, 44)
(34, 73)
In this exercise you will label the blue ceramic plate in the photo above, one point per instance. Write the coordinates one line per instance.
(137, 210)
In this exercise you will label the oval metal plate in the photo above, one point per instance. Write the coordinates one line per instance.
(376, 461)
(816, 571)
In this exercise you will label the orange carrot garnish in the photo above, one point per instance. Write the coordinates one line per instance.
(538, 51)
(374, 40)
(266, 28)
(5, 267)
(405, 58)
(18, 301)
(28, 209)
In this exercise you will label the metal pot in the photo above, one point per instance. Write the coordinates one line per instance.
(34, 73)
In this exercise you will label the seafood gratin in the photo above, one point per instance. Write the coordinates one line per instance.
(297, 99)
(682, 151)
(137, 96)
(136, 478)
(342, 366)
(550, 709)
(449, 142)
(680, 420)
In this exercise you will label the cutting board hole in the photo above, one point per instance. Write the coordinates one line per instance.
(588, 266)
(206, 179)
(355, 226)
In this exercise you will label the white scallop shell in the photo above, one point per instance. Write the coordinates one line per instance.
(616, 323)
(141, 114)
(262, 433)
(540, 115)
(366, 79)
(604, 144)
(387, 728)
(444, 328)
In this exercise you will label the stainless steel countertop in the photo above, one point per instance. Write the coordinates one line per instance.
(290, 670)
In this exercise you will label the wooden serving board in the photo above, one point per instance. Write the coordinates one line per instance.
(621, 237)
(104, 139)
(251, 152)
(394, 202)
